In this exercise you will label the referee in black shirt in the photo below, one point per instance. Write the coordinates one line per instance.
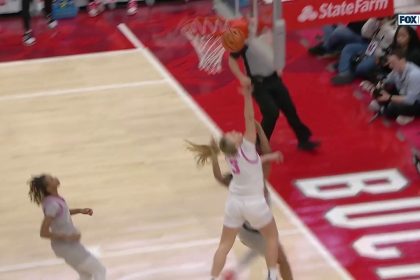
(270, 92)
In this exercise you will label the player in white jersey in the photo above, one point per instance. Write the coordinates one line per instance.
(249, 236)
(58, 227)
(246, 201)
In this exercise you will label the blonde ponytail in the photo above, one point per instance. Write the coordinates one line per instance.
(203, 152)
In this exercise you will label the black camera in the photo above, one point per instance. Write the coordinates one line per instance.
(377, 92)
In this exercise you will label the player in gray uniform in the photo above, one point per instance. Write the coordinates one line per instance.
(58, 227)
(249, 236)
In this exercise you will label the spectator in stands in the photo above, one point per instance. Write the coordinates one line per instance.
(336, 37)
(359, 59)
(28, 38)
(407, 40)
(96, 7)
(403, 102)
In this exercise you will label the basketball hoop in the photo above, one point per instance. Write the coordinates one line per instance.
(204, 35)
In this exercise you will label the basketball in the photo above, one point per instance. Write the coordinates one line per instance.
(241, 24)
(233, 39)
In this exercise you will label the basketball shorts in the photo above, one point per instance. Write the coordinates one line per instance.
(253, 209)
(72, 252)
(81, 260)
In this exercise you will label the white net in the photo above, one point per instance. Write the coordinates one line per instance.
(204, 36)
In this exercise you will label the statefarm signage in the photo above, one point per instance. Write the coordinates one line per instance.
(311, 13)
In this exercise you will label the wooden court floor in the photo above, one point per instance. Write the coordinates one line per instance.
(111, 126)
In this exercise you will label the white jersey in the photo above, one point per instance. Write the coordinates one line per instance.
(246, 168)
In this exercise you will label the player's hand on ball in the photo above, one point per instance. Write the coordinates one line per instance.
(87, 211)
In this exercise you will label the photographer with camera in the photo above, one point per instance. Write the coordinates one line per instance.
(359, 59)
(402, 103)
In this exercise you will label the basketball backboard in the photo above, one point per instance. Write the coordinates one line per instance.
(266, 12)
